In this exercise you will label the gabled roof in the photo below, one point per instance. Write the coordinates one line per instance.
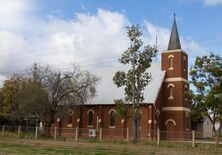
(107, 91)
(174, 42)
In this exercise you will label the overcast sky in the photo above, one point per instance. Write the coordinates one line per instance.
(90, 33)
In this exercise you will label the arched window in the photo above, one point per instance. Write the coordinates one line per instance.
(171, 62)
(170, 120)
(187, 115)
(90, 117)
(70, 114)
(170, 57)
(170, 87)
(185, 92)
(184, 63)
(158, 118)
(112, 118)
(171, 91)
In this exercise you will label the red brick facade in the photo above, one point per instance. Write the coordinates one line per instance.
(175, 108)
(169, 113)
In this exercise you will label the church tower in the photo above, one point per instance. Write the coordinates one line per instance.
(175, 103)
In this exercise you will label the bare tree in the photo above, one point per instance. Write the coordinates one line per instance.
(67, 89)
(46, 94)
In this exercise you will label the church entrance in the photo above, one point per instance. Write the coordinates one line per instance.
(171, 131)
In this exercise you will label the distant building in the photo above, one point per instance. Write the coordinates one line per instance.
(204, 128)
(165, 106)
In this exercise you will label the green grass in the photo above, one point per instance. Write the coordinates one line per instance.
(27, 134)
(50, 147)
(26, 149)
(23, 149)
(29, 149)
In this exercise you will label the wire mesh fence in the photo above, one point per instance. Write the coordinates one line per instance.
(205, 137)
(175, 136)
(103, 134)
(26, 132)
(10, 131)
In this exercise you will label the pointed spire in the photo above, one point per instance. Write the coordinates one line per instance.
(174, 42)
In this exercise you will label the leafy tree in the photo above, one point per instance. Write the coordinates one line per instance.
(33, 100)
(1, 102)
(206, 76)
(137, 77)
(196, 113)
(9, 94)
(121, 108)
(1, 109)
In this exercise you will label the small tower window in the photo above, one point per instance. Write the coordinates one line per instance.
(90, 117)
(184, 63)
(112, 118)
(171, 59)
(187, 115)
(185, 92)
(171, 92)
(170, 87)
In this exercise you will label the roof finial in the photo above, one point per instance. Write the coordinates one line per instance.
(174, 15)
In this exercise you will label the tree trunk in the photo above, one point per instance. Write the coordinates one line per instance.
(218, 134)
(47, 125)
(134, 130)
(48, 129)
(136, 124)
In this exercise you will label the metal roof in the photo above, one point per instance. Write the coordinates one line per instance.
(107, 91)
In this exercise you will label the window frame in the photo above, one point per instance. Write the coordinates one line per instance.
(171, 91)
(112, 118)
(70, 118)
(185, 91)
(171, 62)
(184, 63)
(90, 118)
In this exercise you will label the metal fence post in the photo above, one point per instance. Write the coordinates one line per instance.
(100, 134)
(36, 132)
(19, 130)
(127, 134)
(193, 138)
(158, 137)
(77, 133)
(3, 130)
(55, 133)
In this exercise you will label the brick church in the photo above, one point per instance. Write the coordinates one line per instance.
(165, 107)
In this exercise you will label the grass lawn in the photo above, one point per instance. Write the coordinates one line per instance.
(29, 149)
(50, 147)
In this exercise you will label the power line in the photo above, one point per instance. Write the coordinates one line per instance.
(68, 66)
